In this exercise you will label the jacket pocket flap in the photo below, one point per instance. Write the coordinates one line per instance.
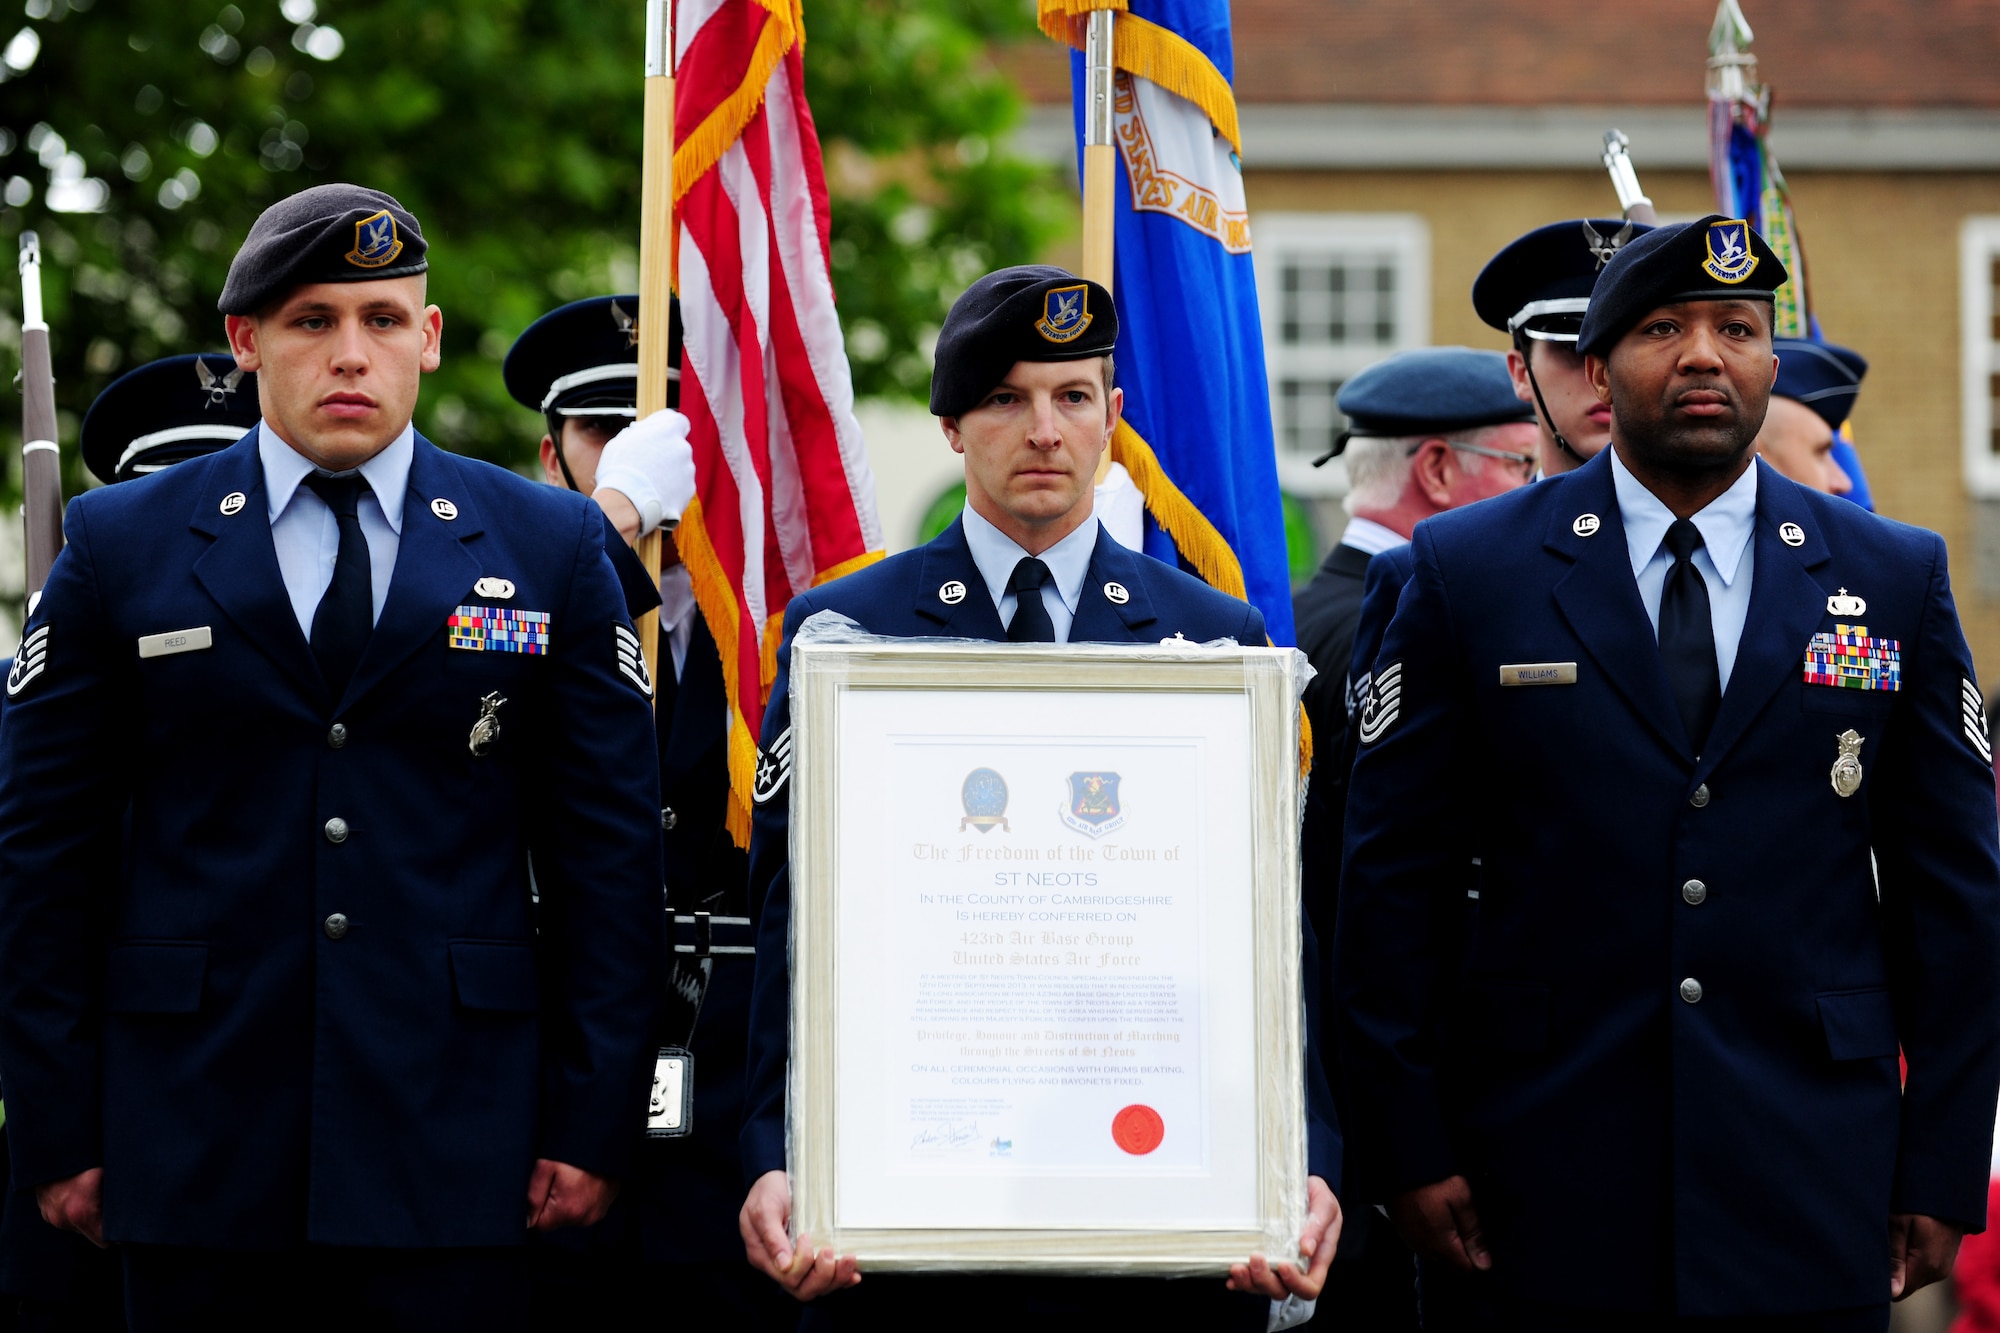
(494, 974)
(1859, 1024)
(163, 978)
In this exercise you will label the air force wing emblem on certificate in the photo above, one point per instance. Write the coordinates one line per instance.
(1093, 807)
(985, 797)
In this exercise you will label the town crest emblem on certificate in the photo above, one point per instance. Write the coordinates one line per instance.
(985, 798)
(1094, 807)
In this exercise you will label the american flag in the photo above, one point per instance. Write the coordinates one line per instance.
(784, 499)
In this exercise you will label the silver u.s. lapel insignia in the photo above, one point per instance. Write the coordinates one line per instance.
(1847, 768)
(487, 729)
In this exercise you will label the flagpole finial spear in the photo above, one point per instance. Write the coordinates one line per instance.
(1732, 69)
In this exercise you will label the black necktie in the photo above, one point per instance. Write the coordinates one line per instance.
(346, 614)
(1687, 636)
(1031, 622)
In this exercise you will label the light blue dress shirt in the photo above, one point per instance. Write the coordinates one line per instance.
(307, 534)
(1726, 559)
(1068, 560)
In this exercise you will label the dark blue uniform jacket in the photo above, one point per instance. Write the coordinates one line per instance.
(176, 1010)
(899, 597)
(1628, 1148)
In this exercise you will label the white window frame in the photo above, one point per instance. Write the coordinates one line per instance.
(1406, 237)
(1979, 247)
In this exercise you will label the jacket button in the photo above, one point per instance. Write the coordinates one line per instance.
(336, 735)
(336, 829)
(1696, 894)
(336, 926)
(1691, 991)
(1700, 797)
(668, 819)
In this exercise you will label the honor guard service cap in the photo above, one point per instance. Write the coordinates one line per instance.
(1035, 312)
(166, 412)
(1539, 285)
(1824, 377)
(329, 233)
(1715, 259)
(582, 359)
(1430, 390)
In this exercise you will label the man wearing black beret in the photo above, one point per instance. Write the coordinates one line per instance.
(1660, 1089)
(1023, 391)
(1816, 388)
(1536, 291)
(279, 1012)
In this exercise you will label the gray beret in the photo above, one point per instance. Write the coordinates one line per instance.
(1035, 312)
(329, 233)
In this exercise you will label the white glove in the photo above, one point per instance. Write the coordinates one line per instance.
(651, 464)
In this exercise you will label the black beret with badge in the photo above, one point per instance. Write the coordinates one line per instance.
(582, 359)
(1428, 391)
(1824, 377)
(1539, 285)
(1034, 312)
(329, 233)
(166, 412)
(1715, 259)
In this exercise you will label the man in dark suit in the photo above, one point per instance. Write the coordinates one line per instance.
(673, 1228)
(293, 1039)
(1026, 562)
(1665, 1092)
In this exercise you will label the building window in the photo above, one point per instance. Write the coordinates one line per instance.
(1979, 269)
(1338, 291)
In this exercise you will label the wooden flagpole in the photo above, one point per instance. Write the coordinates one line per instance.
(656, 269)
(1099, 165)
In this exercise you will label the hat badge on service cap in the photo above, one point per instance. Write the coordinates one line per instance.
(1065, 313)
(375, 241)
(1729, 258)
(627, 324)
(1603, 247)
(218, 387)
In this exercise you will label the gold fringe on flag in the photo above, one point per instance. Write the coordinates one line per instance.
(719, 607)
(1196, 537)
(708, 141)
(1158, 55)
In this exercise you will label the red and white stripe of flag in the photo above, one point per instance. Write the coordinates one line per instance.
(784, 499)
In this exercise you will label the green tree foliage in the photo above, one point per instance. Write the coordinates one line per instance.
(142, 137)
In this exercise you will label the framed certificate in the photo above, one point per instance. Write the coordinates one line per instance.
(1046, 1006)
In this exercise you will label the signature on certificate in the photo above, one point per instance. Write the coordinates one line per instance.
(945, 1136)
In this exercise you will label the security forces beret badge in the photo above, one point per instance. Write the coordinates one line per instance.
(376, 244)
(1065, 313)
(1729, 258)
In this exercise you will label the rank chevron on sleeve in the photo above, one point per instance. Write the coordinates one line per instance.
(29, 662)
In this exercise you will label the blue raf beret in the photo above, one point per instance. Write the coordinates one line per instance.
(329, 233)
(1431, 390)
(582, 359)
(166, 412)
(1715, 259)
(1824, 377)
(1540, 284)
(1035, 312)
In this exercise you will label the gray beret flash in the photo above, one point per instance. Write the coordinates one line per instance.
(1715, 259)
(329, 233)
(1035, 312)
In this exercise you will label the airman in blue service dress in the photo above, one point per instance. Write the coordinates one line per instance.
(671, 1242)
(266, 948)
(1427, 392)
(957, 586)
(1669, 1071)
(149, 418)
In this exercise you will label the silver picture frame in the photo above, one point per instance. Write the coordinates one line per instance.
(835, 677)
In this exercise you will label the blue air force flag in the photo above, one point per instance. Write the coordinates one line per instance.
(1197, 434)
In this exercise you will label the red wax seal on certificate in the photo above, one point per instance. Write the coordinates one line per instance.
(1138, 1129)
